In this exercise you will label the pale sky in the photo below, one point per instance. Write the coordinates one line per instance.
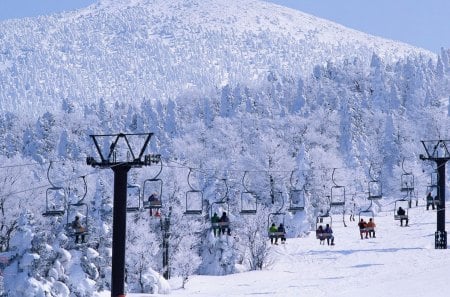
(423, 23)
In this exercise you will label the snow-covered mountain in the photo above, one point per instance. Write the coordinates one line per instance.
(129, 50)
(242, 97)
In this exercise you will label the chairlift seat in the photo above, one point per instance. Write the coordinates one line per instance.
(337, 203)
(72, 232)
(323, 235)
(54, 213)
(399, 217)
(132, 209)
(277, 234)
(152, 204)
(221, 224)
(248, 211)
(296, 208)
(193, 212)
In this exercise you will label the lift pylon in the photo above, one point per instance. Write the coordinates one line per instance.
(121, 152)
(438, 151)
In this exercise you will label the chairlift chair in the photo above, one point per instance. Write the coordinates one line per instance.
(407, 182)
(337, 196)
(375, 191)
(367, 213)
(55, 202)
(337, 193)
(152, 193)
(249, 203)
(249, 199)
(297, 200)
(220, 207)
(194, 199)
(81, 210)
(133, 198)
(55, 198)
(296, 197)
(434, 190)
(323, 220)
(403, 203)
(434, 178)
(276, 218)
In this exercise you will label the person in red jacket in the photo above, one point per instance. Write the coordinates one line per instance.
(371, 228)
(362, 228)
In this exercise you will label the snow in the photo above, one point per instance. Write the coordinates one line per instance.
(227, 89)
(400, 261)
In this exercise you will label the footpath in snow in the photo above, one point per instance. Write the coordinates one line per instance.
(400, 261)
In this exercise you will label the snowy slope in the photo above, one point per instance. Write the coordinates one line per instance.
(399, 262)
(130, 50)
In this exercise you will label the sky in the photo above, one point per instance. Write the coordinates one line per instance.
(423, 23)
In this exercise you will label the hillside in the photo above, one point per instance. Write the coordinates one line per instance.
(130, 50)
(399, 261)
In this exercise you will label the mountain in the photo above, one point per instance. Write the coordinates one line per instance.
(129, 50)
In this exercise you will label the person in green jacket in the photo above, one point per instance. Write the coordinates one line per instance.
(272, 230)
(215, 223)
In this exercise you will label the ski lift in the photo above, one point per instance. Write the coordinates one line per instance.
(55, 198)
(220, 206)
(78, 209)
(152, 192)
(375, 191)
(434, 178)
(249, 199)
(194, 199)
(403, 204)
(321, 222)
(432, 190)
(133, 198)
(337, 197)
(274, 194)
(324, 220)
(366, 213)
(296, 197)
(277, 218)
(407, 180)
(337, 193)
(325, 217)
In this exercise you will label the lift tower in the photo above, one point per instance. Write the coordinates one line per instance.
(437, 150)
(120, 157)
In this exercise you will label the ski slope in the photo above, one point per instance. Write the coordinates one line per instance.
(400, 261)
